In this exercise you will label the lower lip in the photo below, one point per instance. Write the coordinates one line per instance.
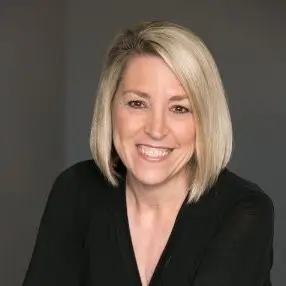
(151, 158)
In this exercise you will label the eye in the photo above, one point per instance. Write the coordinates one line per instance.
(138, 104)
(179, 109)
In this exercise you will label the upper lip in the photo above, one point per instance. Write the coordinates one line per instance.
(154, 146)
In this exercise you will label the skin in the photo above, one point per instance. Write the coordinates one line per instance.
(154, 135)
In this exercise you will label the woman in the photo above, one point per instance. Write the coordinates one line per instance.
(159, 206)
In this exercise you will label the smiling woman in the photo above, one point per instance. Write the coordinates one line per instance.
(153, 127)
(158, 206)
(188, 60)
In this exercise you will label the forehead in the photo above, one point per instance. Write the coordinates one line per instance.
(150, 73)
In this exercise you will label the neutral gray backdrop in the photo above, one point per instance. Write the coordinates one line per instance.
(50, 59)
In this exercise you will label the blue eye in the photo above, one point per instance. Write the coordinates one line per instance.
(136, 104)
(179, 109)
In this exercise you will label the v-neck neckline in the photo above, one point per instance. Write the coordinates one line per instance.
(126, 245)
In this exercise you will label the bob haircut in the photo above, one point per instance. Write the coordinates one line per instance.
(190, 60)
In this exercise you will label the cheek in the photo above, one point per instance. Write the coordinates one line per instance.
(124, 124)
(119, 118)
(186, 133)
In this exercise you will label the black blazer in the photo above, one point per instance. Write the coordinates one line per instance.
(225, 239)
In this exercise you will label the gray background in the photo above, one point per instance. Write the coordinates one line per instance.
(50, 59)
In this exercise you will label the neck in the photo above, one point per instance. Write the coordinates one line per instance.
(157, 198)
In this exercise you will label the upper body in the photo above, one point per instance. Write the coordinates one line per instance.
(162, 138)
(84, 239)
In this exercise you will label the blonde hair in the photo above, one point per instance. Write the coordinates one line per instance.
(190, 60)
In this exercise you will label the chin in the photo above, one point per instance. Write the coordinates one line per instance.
(151, 177)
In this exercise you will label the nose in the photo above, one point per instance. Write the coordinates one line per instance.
(156, 125)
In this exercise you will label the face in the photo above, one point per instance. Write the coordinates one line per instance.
(153, 123)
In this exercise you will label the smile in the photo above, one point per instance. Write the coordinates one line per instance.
(153, 153)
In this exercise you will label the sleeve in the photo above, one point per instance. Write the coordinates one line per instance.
(242, 251)
(58, 253)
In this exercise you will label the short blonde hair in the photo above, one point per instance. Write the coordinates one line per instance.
(190, 60)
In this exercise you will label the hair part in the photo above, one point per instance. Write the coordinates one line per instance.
(192, 63)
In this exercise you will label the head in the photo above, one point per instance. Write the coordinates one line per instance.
(190, 76)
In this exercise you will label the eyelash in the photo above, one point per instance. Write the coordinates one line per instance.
(138, 104)
(182, 109)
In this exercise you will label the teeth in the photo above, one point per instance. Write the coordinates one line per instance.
(153, 152)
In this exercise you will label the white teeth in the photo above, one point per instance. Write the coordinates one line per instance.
(153, 152)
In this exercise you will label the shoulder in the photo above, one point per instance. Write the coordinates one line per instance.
(76, 192)
(234, 187)
(82, 177)
(240, 239)
(243, 199)
(81, 184)
(84, 171)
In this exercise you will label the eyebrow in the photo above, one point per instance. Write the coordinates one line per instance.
(145, 95)
(137, 92)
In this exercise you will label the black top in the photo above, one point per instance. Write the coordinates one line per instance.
(225, 239)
